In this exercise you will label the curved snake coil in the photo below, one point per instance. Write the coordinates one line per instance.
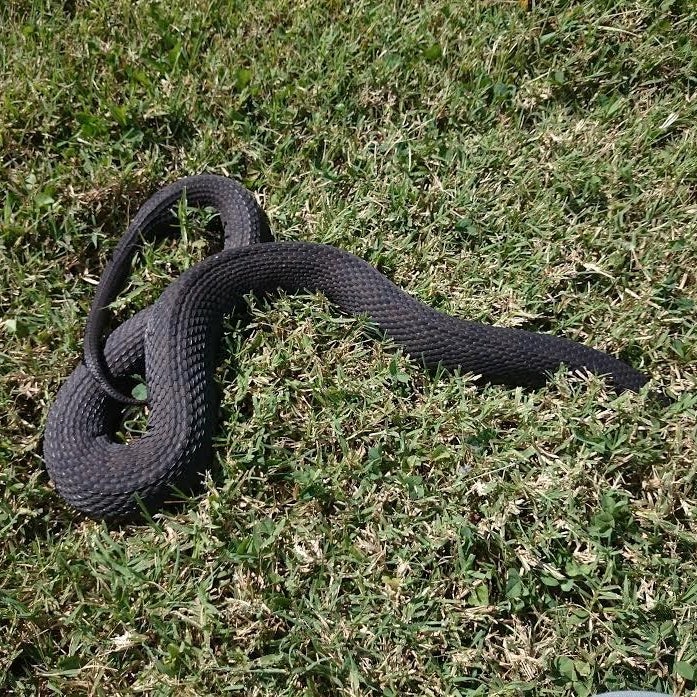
(175, 341)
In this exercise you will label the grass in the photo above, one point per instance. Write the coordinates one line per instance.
(376, 530)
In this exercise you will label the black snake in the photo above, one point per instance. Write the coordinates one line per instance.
(175, 341)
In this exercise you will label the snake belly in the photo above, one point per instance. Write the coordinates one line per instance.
(175, 341)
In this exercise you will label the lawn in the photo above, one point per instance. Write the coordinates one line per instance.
(375, 530)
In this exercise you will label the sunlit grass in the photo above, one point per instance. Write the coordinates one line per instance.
(375, 530)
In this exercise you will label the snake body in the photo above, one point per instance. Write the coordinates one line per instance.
(175, 341)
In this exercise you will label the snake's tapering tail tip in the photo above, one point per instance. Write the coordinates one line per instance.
(121, 398)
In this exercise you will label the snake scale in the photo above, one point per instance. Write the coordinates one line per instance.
(175, 342)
